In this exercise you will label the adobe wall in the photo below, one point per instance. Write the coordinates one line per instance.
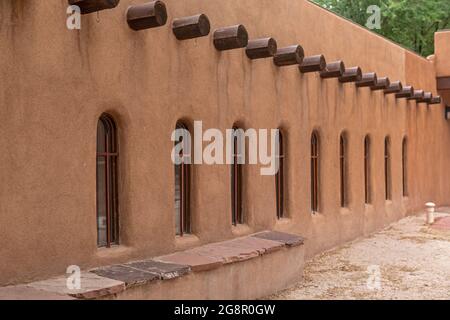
(56, 83)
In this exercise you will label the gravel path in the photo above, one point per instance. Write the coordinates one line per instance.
(407, 260)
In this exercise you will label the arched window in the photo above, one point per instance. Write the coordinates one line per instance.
(279, 177)
(405, 166)
(367, 177)
(182, 183)
(236, 178)
(107, 202)
(315, 149)
(387, 168)
(343, 169)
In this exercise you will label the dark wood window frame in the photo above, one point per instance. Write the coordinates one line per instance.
(343, 170)
(237, 216)
(182, 192)
(107, 184)
(315, 172)
(405, 166)
(367, 171)
(280, 177)
(387, 169)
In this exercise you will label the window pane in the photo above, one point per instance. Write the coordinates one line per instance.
(101, 202)
(113, 200)
(177, 199)
(107, 193)
(236, 179)
(101, 134)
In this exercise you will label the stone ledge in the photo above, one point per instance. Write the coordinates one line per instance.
(289, 240)
(114, 279)
(92, 287)
(195, 261)
(24, 292)
(165, 271)
(129, 276)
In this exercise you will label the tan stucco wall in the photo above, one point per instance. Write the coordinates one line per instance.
(442, 51)
(55, 84)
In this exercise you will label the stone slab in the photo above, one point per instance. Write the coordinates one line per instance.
(192, 259)
(92, 286)
(238, 250)
(289, 240)
(24, 292)
(261, 246)
(129, 276)
(165, 271)
(228, 254)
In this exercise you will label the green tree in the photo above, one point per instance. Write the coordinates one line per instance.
(411, 23)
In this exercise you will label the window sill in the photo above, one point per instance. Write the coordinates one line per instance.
(283, 221)
(317, 215)
(241, 230)
(345, 211)
(114, 252)
(186, 241)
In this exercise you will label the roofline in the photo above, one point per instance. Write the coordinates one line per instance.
(377, 34)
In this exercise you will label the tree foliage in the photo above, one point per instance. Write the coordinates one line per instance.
(411, 23)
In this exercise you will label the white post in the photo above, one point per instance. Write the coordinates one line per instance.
(430, 212)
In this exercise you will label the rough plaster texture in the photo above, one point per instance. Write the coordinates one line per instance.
(56, 83)
(442, 50)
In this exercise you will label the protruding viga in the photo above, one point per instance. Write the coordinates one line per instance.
(89, 6)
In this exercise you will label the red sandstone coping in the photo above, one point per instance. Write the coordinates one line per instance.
(195, 261)
(24, 292)
(285, 238)
(114, 279)
(92, 286)
(237, 250)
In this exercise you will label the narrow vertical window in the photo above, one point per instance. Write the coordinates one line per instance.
(387, 168)
(236, 179)
(315, 148)
(343, 169)
(279, 177)
(405, 166)
(182, 185)
(107, 203)
(367, 178)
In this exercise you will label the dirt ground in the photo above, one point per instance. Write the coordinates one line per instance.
(407, 260)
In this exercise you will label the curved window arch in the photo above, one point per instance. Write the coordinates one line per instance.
(315, 171)
(405, 166)
(182, 182)
(280, 176)
(387, 168)
(237, 216)
(367, 171)
(343, 169)
(107, 193)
